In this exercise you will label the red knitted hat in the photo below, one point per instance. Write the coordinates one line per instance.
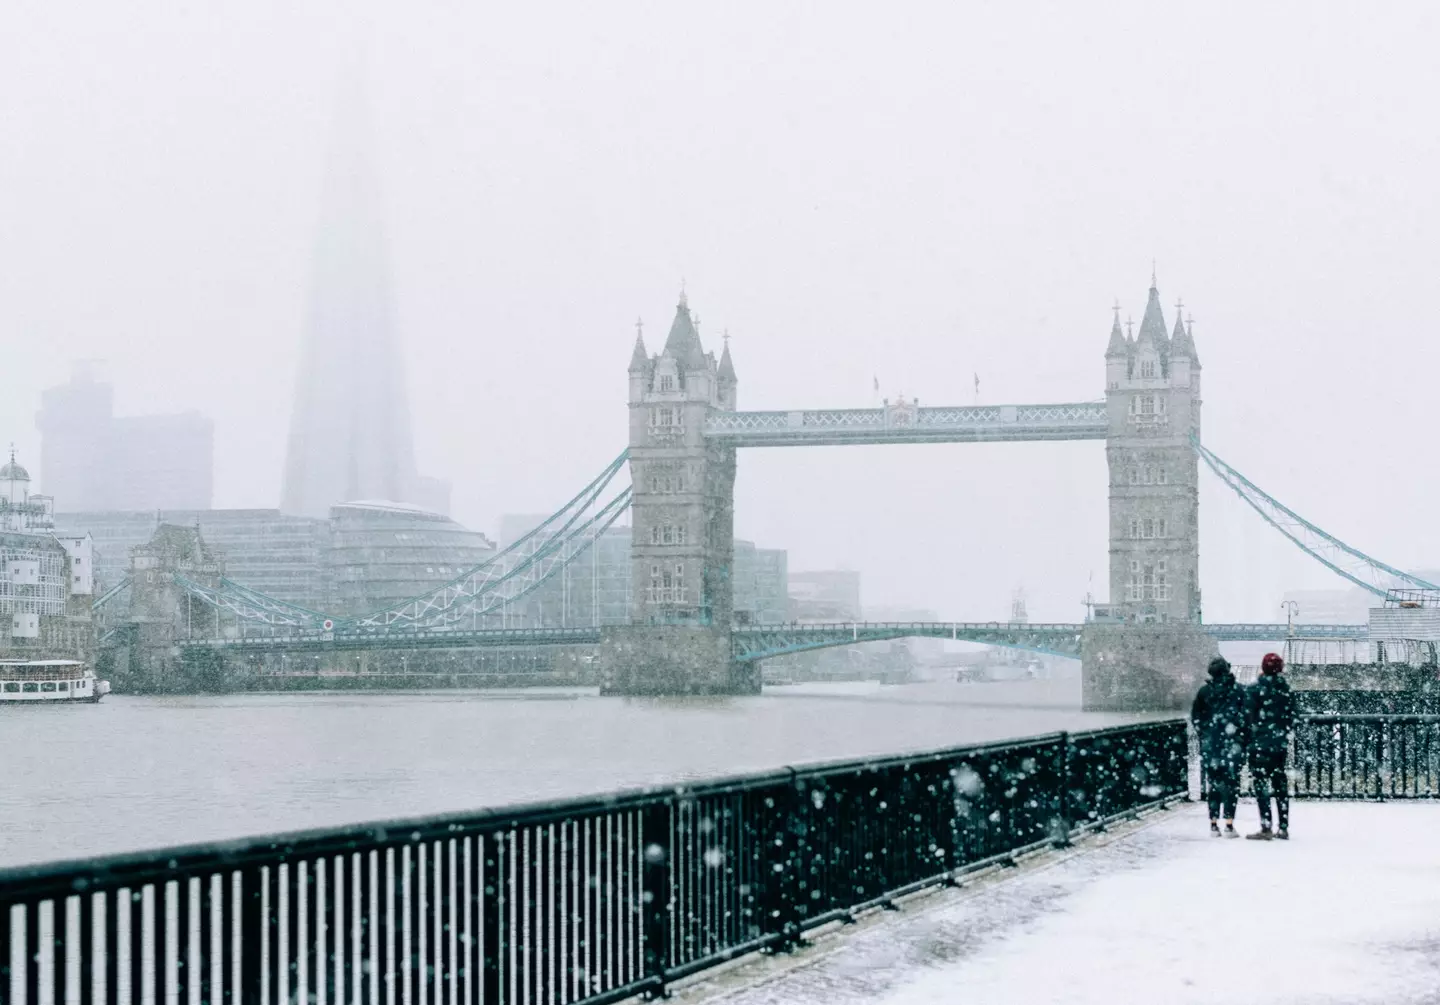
(1272, 663)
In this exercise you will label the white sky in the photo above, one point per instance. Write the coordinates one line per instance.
(917, 194)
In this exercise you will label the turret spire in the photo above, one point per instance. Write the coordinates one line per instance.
(1152, 323)
(1118, 346)
(1152, 327)
(1181, 343)
(726, 372)
(683, 342)
(639, 359)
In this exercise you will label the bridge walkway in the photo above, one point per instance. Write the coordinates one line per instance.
(1347, 911)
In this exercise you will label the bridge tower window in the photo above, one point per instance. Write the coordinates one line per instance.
(667, 382)
(1147, 369)
(666, 419)
(667, 587)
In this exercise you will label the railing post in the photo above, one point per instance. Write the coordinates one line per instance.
(655, 891)
(1062, 824)
(779, 866)
(493, 931)
(6, 910)
(1381, 742)
(253, 932)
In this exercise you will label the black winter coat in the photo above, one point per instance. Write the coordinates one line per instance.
(1271, 714)
(1219, 717)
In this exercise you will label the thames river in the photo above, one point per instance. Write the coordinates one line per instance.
(136, 772)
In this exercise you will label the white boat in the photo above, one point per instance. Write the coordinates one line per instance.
(49, 680)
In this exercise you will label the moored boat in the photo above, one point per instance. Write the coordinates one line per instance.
(49, 680)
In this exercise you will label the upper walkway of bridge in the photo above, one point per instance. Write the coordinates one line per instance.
(1159, 912)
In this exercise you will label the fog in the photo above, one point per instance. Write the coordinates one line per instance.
(915, 196)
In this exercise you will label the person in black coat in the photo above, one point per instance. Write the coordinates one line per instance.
(1270, 715)
(1219, 715)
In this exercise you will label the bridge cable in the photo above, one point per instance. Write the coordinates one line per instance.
(1330, 551)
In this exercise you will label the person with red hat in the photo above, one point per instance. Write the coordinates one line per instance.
(1270, 718)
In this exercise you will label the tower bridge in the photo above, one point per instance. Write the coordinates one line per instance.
(1142, 648)
(685, 428)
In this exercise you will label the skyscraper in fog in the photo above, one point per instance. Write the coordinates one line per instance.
(92, 459)
(350, 436)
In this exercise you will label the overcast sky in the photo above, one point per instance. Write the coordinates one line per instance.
(914, 192)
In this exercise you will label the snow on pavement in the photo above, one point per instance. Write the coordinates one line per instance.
(1348, 911)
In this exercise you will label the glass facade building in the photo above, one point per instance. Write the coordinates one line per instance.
(381, 554)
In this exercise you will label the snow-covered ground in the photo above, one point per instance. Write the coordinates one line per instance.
(1348, 911)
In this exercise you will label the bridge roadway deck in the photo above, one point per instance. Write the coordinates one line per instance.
(756, 641)
(1347, 911)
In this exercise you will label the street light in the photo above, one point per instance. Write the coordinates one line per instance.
(1291, 608)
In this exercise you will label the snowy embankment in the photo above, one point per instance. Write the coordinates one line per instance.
(1348, 911)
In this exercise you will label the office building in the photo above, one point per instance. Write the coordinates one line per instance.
(381, 554)
(825, 595)
(94, 460)
(761, 578)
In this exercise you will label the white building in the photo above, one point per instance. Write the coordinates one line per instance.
(36, 576)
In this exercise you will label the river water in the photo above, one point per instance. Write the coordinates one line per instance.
(144, 772)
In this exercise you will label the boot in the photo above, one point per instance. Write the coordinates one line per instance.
(1283, 834)
(1263, 834)
(1230, 829)
(1214, 828)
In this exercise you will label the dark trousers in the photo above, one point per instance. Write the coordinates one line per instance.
(1267, 770)
(1222, 783)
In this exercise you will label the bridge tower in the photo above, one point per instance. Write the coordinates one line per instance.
(1152, 390)
(682, 524)
(1146, 649)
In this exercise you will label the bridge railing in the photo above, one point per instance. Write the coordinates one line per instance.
(1072, 420)
(1367, 757)
(588, 900)
(918, 625)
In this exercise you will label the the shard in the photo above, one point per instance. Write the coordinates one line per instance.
(350, 436)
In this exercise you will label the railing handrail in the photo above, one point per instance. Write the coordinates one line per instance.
(1369, 717)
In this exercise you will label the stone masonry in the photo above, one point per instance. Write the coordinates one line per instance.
(682, 538)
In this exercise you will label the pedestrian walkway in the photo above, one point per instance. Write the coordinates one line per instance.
(1348, 911)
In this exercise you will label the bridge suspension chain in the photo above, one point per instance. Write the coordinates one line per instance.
(524, 578)
(458, 598)
(474, 599)
(247, 605)
(1361, 569)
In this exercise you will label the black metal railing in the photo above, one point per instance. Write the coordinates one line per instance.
(1367, 757)
(1369, 702)
(588, 900)
(1360, 757)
